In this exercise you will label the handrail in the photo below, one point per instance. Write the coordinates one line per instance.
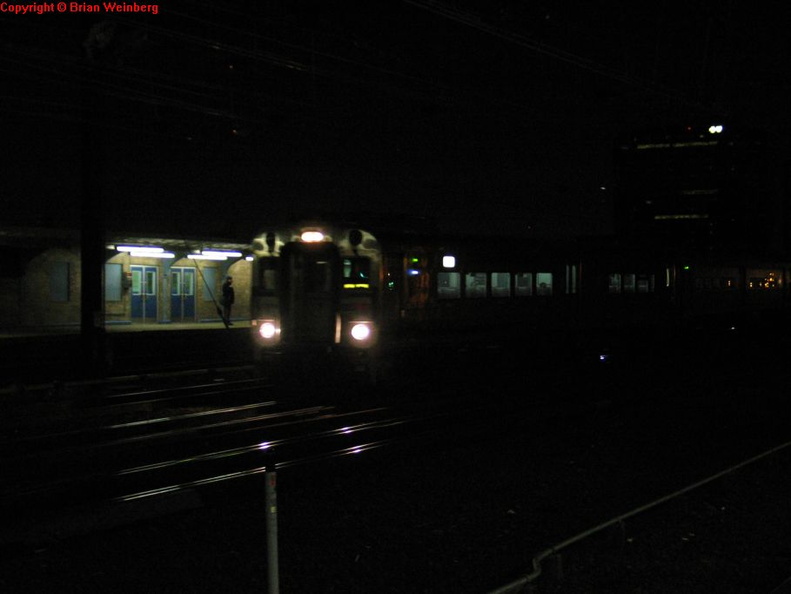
(537, 559)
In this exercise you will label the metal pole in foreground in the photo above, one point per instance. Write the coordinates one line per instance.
(272, 573)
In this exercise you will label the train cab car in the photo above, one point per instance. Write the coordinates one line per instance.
(315, 292)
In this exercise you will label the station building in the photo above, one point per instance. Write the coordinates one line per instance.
(146, 280)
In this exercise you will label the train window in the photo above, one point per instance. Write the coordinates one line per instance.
(475, 284)
(317, 276)
(629, 283)
(266, 282)
(763, 280)
(356, 273)
(448, 285)
(614, 283)
(523, 284)
(137, 281)
(501, 284)
(544, 283)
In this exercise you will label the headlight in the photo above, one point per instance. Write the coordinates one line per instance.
(361, 332)
(267, 329)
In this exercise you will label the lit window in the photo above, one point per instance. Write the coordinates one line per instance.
(614, 283)
(523, 284)
(629, 283)
(475, 284)
(501, 284)
(448, 285)
(356, 273)
(544, 283)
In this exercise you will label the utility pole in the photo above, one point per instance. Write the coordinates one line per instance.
(92, 223)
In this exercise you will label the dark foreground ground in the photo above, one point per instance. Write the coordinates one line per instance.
(468, 515)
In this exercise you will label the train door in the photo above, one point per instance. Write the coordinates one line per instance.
(309, 291)
(393, 286)
(182, 294)
(144, 293)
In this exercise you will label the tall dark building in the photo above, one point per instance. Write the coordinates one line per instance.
(709, 187)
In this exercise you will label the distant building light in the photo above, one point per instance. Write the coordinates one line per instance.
(666, 145)
(677, 217)
(700, 192)
(659, 145)
(449, 261)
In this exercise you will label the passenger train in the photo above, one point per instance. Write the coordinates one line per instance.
(339, 288)
(316, 288)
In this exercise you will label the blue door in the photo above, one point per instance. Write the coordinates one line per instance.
(182, 294)
(144, 293)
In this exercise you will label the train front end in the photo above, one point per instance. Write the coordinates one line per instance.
(315, 296)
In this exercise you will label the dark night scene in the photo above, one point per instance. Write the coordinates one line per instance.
(404, 296)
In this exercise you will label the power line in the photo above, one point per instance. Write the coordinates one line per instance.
(475, 22)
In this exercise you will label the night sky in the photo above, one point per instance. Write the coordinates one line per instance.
(489, 115)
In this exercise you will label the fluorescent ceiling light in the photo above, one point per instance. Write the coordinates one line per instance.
(206, 257)
(223, 253)
(140, 249)
(144, 254)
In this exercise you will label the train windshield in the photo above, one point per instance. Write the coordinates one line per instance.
(266, 276)
(357, 273)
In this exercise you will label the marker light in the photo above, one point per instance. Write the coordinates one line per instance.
(361, 332)
(312, 236)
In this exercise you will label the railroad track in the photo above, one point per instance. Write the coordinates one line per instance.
(160, 441)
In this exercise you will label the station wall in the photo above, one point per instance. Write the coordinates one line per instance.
(45, 292)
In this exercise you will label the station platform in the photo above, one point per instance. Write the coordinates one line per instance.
(39, 355)
(30, 331)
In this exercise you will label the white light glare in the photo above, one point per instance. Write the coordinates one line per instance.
(716, 129)
(449, 261)
(361, 331)
(267, 330)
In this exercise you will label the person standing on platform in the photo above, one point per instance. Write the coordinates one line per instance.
(228, 297)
